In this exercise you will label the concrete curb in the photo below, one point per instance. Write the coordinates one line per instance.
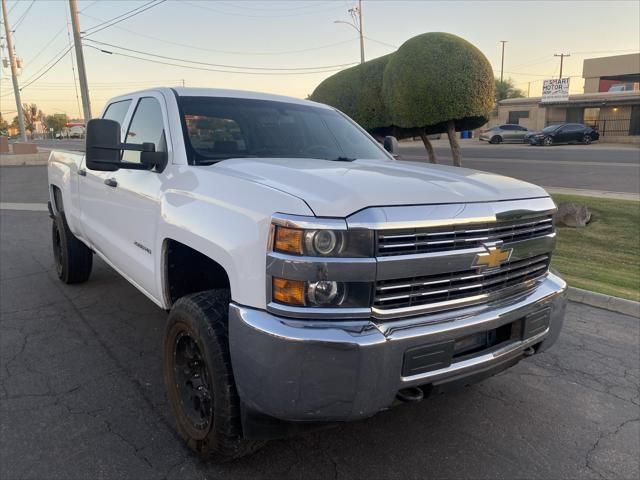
(606, 302)
(25, 159)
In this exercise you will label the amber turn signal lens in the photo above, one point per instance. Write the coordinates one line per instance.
(289, 292)
(288, 240)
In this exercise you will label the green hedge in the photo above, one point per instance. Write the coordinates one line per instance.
(431, 79)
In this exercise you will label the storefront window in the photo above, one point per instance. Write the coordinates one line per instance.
(591, 115)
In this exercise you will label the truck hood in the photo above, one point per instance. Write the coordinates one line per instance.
(338, 189)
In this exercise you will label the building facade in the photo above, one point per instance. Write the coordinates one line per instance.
(610, 104)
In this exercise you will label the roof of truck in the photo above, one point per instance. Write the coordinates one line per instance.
(222, 92)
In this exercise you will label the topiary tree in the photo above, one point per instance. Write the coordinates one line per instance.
(357, 91)
(434, 83)
(441, 82)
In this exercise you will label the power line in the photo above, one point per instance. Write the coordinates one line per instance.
(239, 67)
(122, 17)
(237, 14)
(13, 6)
(191, 67)
(42, 50)
(33, 80)
(381, 43)
(23, 16)
(270, 8)
(230, 52)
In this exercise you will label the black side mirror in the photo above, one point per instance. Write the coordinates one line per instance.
(391, 145)
(102, 145)
(103, 149)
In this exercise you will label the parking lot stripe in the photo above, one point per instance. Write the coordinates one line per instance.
(29, 207)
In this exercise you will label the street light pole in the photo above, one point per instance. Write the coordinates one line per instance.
(502, 61)
(82, 73)
(360, 31)
(14, 72)
(356, 24)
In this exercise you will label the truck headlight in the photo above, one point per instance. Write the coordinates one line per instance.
(323, 243)
(323, 293)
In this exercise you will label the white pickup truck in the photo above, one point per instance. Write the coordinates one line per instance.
(310, 277)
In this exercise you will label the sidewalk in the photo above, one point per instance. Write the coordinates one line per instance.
(594, 193)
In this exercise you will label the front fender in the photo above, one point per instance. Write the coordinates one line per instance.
(230, 227)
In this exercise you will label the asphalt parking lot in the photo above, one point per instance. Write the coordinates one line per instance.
(81, 395)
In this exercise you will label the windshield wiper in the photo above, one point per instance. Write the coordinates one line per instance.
(342, 159)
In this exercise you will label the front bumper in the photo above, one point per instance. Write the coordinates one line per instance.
(312, 370)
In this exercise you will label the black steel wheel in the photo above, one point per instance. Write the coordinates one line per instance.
(199, 378)
(192, 382)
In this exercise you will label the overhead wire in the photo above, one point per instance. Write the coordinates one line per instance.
(122, 17)
(238, 14)
(23, 16)
(192, 67)
(237, 67)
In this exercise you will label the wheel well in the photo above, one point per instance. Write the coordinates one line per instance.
(57, 198)
(188, 271)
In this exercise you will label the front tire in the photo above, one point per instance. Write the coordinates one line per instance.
(199, 378)
(586, 139)
(548, 141)
(73, 258)
(495, 139)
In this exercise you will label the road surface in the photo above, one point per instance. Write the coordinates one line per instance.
(599, 166)
(82, 394)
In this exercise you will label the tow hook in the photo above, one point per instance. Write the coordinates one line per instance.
(410, 395)
(529, 351)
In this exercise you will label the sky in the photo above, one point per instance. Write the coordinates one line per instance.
(294, 34)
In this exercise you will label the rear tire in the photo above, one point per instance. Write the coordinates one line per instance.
(496, 139)
(72, 257)
(199, 378)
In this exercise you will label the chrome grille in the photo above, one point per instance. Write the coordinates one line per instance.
(471, 285)
(425, 240)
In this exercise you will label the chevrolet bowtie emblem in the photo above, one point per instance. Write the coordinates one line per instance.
(492, 258)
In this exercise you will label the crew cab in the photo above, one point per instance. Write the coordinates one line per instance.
(309, 276)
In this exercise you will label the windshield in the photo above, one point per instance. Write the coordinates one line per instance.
(550, 128)
(219, 128)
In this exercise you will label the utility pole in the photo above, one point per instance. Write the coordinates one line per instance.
(82, 73)
(502, 61)
(561, 55)
(528, 89)
(14, 71)
(356, 23)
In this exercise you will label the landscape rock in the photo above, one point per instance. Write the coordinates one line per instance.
(572, 215)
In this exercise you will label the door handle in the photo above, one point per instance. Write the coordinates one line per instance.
(111, 182)
(82, 172)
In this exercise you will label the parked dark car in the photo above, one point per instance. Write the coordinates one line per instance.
(564, 133)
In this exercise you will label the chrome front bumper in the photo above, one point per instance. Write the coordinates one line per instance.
(323, 370)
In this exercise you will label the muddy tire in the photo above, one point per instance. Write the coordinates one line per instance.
(199, 378)
(73, 258)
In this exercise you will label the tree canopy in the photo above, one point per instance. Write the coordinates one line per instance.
(505, 89)
(431, 80)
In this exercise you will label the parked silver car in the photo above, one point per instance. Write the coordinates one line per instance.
(504, 133)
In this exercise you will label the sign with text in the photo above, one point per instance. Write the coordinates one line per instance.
(555, 90)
